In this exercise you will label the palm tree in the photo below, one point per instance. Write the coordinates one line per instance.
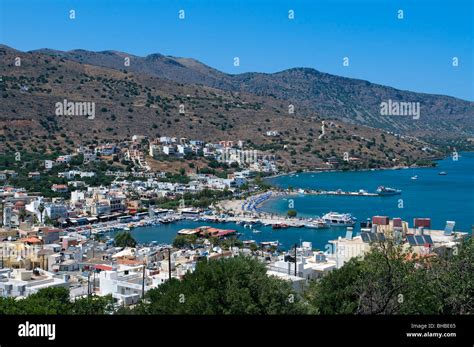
(41, 209)
(22, 215)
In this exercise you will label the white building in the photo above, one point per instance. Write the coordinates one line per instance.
(169, 150)
(184, 149)
(54, 211)
(77, 196)
(8, 214)
(89, 157)
(344, 249)
(154, 150)
(21, 282)
(73, 173)
(125, 284)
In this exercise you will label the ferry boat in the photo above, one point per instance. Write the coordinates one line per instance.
(388, 191)
(336, 219)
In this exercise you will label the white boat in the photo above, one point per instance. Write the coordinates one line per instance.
(388, 191)
(414, 177)
(336, 219)
(270, 243)
(316, 224)
(255, 231)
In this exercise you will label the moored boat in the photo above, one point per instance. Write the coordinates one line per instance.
(316, 224)
(279, 226)
(336, 219)
(270, 243)
(388, 191)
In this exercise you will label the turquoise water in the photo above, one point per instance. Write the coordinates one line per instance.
(440, 198)
(287, 237)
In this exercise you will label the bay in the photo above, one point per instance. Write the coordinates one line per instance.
(439, 197)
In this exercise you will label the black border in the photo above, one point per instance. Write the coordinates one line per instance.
(198, 330)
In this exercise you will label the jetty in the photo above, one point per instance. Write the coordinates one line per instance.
(340, 192)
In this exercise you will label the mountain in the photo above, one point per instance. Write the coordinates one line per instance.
(350, 100)
(129, 103)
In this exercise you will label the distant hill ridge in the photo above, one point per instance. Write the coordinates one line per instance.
(351, 100)
(148, 100)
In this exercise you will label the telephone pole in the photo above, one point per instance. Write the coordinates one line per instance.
(295, 259)
(169, 263)
(143, 281)
(88, 282)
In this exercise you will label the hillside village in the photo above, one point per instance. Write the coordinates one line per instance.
(63, 236)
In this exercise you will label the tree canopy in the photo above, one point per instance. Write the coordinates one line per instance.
(124, 239)
(390, 280)
(292, 213)
(228, 286)
(54, 301)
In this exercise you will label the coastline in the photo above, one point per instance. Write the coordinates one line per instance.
(322, 170)
(339, 170)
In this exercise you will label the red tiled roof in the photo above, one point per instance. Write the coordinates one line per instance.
(31, 240)
(125, 261)
(102, 267)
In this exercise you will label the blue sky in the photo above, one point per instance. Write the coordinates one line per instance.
(413, 54)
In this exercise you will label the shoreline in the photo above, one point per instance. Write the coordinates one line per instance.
(323, 170)
(340, 171)
(289, 194)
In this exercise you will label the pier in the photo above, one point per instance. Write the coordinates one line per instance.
(340, 192)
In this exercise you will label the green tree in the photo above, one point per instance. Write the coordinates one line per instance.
(452, 279)
(292, 213)
(336, 292)
(392, 280)
(124, 239)
(228, 286)
(54, 300)
(182, 241)
(41, 209)
(93, 305)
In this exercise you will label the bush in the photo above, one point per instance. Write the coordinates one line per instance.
(228, 286)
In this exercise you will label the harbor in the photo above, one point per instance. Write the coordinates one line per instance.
(263, 217)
